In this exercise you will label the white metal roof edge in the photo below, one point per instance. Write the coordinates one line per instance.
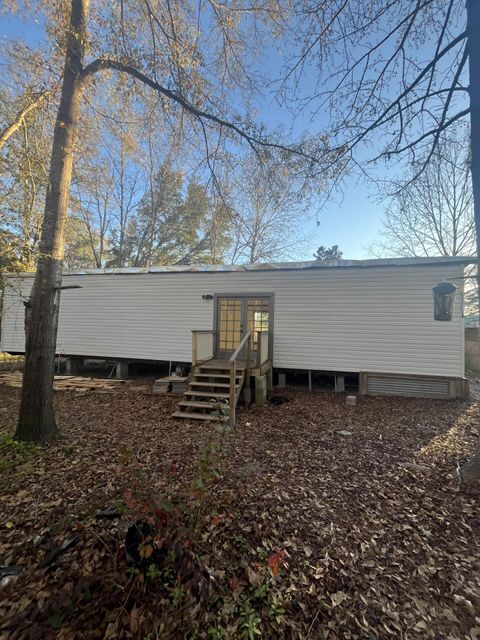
(272, 266)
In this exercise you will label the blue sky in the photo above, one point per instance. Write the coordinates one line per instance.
(352, 221)
(352, 217)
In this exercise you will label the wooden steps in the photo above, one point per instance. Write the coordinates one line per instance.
(222, 385)
(196, 404)
(208, 385)
(192, 416)
(205, 394)
(222, 376)
(218, 364)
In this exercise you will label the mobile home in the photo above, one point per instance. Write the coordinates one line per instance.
(371, 318)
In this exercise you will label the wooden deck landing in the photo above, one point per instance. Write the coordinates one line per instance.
(224, 364)
(220, 363)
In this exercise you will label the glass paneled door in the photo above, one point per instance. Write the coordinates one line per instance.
(237, 315)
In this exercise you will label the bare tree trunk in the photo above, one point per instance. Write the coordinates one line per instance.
(121, 240)
(36, 420)
(470, 471)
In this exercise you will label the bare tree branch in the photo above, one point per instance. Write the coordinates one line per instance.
(35, 100)
(253, 141)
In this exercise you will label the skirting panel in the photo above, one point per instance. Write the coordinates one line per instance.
(385, 384)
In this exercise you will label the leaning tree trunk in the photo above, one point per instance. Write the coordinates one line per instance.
(36, 420)
(33, 102)
(470, 471)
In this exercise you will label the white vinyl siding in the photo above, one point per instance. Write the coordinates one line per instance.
(377, 319)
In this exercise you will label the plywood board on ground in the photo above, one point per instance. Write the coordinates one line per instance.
(78, 383)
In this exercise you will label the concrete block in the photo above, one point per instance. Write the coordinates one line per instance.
(340, 384)
(452, 389)
(121, 370)
(73, 366)
(351, 401)
(282, 381)
(171, 384)
(260, 390)
(269, 375)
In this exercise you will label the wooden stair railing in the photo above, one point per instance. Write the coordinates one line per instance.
(208, 386)
(215, 380)
(246, 343)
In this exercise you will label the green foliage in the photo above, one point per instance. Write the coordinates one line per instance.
(262, 554)
(132, 571)
(10, 258)
(23, 170)
(78, 245)
(218, 633)
(175, 223)
(16, 460)
(153, 573)
(249, 621)
(328, 254)
(261, 592)
(276, 610)
(239, 540)
(207, 469)
(177, 594)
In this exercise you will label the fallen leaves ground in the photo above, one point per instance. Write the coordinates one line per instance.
(310, 533)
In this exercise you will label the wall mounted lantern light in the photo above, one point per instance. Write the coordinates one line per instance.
(443, 299)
